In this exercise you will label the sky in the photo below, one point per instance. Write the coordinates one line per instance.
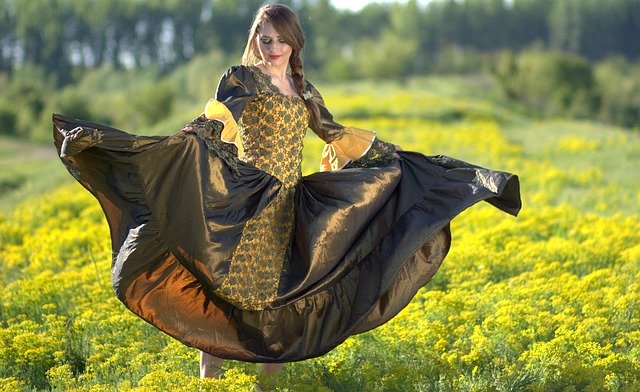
(357, 5)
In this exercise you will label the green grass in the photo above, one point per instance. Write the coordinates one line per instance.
(28, 169)
(406, 110)
(545, 301)
(601, 154)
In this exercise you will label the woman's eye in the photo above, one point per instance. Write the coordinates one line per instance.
(266, 41)
(281, 41)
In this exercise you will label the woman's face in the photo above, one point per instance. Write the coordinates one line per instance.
(273, 50)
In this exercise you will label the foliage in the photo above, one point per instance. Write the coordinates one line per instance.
(392, 53)
(144, 64)
(547, 301)
(8, 119)
(458, 60)
(384, 57)
(28, 169)
(619, 84)
(576, 26)
(551, 83)
(558, 84)
(23, 99)
(134, 99)
(77, 35)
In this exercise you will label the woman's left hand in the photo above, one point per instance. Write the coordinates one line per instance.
(398, 148)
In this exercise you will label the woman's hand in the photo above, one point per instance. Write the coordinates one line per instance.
(78, 139)
(189, 128)
(398, 148)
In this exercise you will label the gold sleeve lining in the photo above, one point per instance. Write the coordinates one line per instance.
(352, 144)
(216, 110)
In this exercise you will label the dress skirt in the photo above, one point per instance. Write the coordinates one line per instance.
(365, 239)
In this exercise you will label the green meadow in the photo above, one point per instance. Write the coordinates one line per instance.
(548, 301)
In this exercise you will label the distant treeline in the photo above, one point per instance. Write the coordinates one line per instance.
(575, 58)
(64, 36)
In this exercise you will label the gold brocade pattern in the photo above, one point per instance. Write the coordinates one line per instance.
(272, 128)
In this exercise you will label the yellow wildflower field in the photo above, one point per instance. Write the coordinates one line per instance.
(548, 301)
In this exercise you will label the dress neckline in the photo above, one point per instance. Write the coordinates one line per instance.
(267, 79)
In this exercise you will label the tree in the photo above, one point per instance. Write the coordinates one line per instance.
(527, 23)
(565, 23)
(8, 38)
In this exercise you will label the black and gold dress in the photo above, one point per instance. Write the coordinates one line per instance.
(220, 242)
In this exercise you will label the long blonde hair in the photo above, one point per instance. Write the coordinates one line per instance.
(286, 22)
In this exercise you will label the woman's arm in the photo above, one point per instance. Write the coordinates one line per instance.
(346, 144)
(236, 89)
(217, 125)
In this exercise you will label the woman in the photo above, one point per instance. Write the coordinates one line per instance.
(219, 241)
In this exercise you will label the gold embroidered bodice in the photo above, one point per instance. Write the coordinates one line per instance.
(272, 127)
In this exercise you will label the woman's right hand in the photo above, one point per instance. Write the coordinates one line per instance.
(189, 128)
(78, 139)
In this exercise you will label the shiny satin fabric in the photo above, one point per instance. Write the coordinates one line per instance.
(366, 239)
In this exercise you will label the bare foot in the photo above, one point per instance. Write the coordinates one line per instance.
(210, 366)
(268, 377)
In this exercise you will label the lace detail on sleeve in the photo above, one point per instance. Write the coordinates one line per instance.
(210, 132)
(380, 154)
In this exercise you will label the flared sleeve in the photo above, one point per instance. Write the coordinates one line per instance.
(344, 144)
(217, 126)
(235, 90)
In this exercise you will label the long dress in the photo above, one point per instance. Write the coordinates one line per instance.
(221, 243)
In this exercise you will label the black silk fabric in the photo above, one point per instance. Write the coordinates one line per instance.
(366, 239)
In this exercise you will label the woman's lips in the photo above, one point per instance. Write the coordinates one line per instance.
(274, 57)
